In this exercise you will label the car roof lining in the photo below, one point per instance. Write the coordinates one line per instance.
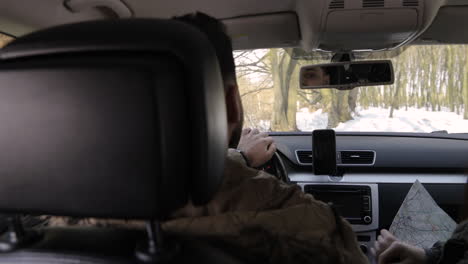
(271, 22)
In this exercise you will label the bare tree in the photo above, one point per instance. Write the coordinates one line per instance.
(284, 108)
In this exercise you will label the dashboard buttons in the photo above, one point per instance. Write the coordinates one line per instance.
(366, 203)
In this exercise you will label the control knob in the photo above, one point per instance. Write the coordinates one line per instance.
(367, 219)
(363, 248)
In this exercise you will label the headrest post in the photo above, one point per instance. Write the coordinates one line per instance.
(154, 237)
(154, 250)
(16, 236)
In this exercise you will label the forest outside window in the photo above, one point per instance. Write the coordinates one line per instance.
(430, 93)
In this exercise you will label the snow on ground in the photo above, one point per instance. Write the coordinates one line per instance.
(376, 119)
(307, 121)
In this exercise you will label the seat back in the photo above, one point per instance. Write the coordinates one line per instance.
(120, 119)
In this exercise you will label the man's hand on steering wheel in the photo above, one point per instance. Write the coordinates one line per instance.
(258, 148)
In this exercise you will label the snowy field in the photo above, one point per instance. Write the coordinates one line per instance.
(377, 120)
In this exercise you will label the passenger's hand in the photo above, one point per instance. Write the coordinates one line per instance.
(387, 249)
(257, 147)
(384, 240)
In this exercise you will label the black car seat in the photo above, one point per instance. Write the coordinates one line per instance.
(117, 119)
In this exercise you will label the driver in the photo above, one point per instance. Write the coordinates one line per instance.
(316, 76)
(256, 148)
(256, 215)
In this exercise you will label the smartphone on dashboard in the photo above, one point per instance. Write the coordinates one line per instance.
(324, 152)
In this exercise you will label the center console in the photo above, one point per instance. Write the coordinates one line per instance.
(357, 203)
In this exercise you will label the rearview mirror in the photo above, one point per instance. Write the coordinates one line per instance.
(346, 75)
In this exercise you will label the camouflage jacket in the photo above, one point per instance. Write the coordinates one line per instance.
(454, 251)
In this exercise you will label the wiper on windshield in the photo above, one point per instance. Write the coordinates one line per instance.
(439, 132)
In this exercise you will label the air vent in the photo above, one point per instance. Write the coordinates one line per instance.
(373, 3)
(304, 157)
(410, 2)
(336, 4)
(357, 157)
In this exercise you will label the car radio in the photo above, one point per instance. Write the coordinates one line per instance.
(353, 202)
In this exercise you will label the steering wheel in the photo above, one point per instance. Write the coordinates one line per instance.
(275, 166)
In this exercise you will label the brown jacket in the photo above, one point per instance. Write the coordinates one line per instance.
(265, 217)
(256, 214)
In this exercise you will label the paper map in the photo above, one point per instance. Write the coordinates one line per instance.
(420, 221)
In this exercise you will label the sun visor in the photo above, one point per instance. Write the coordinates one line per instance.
(370, 29)
(264, 31)
(453, 17)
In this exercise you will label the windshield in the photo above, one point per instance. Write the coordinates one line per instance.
(430, 93)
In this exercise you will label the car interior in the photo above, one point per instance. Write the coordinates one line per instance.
(96, 92)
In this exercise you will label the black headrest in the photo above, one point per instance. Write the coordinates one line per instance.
(110, 119)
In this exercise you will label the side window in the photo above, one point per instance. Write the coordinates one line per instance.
(4, 39)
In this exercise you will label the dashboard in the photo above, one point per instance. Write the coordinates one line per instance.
(382, 167)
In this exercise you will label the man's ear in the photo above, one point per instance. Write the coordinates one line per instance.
(233, 104)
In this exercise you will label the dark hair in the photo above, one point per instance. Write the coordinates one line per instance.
(215, 30)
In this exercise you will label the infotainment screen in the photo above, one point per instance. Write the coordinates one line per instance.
(353, 202)
(347, 204)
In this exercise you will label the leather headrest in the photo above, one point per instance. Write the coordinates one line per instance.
(110, 119)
